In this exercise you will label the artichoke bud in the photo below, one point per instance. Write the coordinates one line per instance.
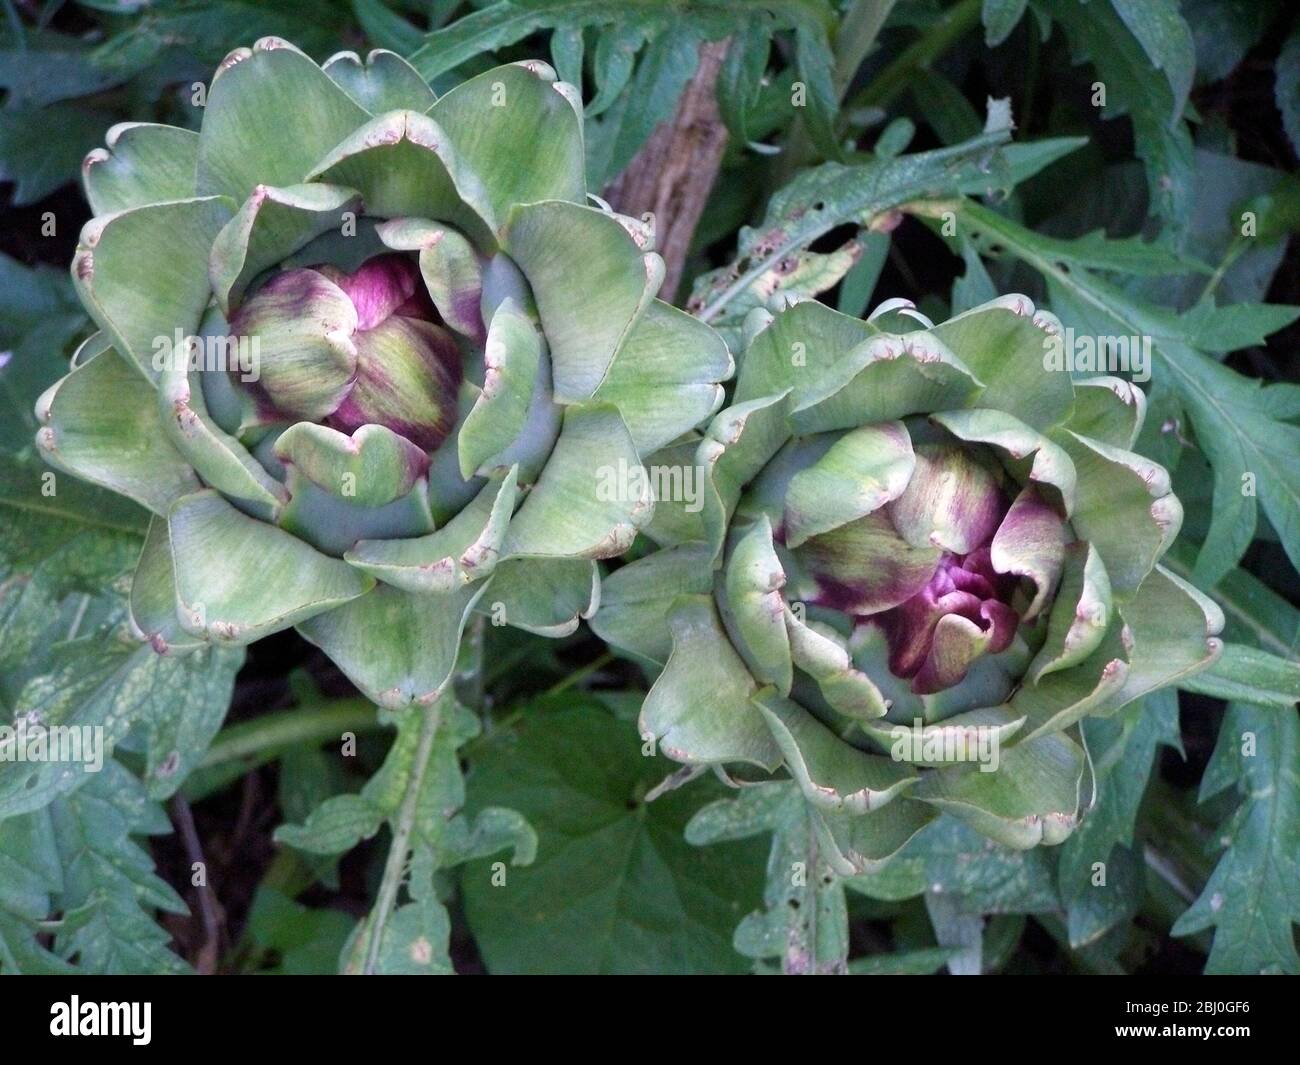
(352, 349)
(381, 287)
(952, 501)
(300, 327)
(933, 567)
(408, 373)
(936, 635)
(391, 354)
(923, 557)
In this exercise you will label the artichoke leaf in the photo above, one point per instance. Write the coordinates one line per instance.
(462, 551)
(399, 648)
(1108, 409)
(753, 607)
(1006, 343)
(272, 224)
(885, 378)
(142, 163)
(665, 378)
(832, 774)
(117, 445)
(404, 166)
(1028, 453)
(1035, 796)
(142, 274)
(219, 458)
(700, 709)
(271, 113)
(591, 282)
(513, 112)
(1125, 509)
(383, 82)
(819, 652)
(1174, 630)
(739, 442)
(153, 595)
(546, 596)
(239, 579)
(637, 598)
(592, 496)
(969, 735)
(1080, 614)
(866, 468)
(511, 358)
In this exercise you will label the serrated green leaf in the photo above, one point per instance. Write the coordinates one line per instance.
(1253, 898)
(419, 792)
(1238, 326)
(1123, 748)
(109, 885)
(804, 920)
(1252, 451)
(68, 658)
(812, 205)
(1096, 33)
(78, 864)
(1166, 38)
(1246, 674)
(116, 685)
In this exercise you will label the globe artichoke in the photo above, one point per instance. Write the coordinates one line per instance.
(362, 353)
(920, 557)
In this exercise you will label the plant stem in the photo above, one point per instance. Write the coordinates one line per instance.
(1234, 252)
(264, 736)
(209, 950)
(395, 867)
(814, 907)
(579, 675)
(78, 617)
(919, 55)
(802, 955)
(856, 37)
(1164, 869)
(853, 42)
(672, 174)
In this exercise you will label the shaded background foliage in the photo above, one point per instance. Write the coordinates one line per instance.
(1124, 218)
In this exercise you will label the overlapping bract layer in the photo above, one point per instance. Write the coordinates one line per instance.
(920, 559)
(362, 352)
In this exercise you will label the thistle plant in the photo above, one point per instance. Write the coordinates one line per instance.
(361, 352)
(921, 558)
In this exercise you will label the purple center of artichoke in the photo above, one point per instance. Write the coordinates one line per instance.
(353, 349)
(961, 607)
(941, 568)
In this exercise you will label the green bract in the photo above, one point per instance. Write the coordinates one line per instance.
(361, 353)
(919, 558)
